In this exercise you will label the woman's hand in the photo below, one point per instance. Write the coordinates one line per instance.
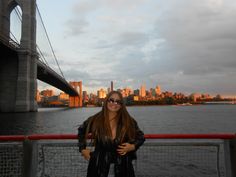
(86, 154)
(125, 148)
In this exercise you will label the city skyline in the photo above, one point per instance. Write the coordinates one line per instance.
(184, 46)
(142, 91)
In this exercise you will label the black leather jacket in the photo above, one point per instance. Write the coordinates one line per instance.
(105, 153)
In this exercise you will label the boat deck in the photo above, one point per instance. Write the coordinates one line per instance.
(191, 155)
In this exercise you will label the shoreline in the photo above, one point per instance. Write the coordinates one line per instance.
(186, 105)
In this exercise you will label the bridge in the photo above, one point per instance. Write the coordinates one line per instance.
(21, 63)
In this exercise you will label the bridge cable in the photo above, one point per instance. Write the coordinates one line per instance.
(18, 13)
(14, 37)
(50, 42)
(41, 54)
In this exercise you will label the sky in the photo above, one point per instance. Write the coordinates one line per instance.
(186, 46)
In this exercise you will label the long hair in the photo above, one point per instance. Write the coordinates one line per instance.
(99, 125)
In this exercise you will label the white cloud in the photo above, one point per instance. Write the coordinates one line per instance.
(150, 47)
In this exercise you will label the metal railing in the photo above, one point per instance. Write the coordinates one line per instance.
(162, 155)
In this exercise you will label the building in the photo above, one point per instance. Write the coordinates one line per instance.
(112, 86)
(108, 90)
(195, 96)
(38, 96)
(167, 94)
(136, 92)
(126, 92)
(63, 96)
(152, 92)
(158, 90)
(143, 91)
(136, 98)
(101, 93)
(47, 93)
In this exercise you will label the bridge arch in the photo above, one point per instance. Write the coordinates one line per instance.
(6, 8)
(12, 4)
(16, 23)
(28, 26)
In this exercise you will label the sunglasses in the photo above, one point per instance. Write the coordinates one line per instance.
(112, 100)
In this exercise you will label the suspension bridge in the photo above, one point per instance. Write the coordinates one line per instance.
(23, 61)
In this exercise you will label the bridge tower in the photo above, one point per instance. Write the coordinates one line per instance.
(18, 69)
(76, 101)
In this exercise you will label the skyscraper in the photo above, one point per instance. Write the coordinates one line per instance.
(143, 91)
(111, 85)
(158, 90)
(101, 93)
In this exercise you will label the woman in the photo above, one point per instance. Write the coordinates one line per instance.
(116, 136)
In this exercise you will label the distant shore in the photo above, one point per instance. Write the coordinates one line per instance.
(141, 105)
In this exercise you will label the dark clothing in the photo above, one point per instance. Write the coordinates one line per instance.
(105, 153)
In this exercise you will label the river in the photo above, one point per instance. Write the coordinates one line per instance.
(151, 119)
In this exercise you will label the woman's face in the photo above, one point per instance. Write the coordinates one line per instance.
(114, 103)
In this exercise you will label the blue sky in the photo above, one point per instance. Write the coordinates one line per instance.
(182, 45)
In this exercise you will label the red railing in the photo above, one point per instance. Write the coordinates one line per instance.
(207, 154)
(147, 136)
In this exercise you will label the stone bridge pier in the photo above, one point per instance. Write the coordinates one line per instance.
(18, 68)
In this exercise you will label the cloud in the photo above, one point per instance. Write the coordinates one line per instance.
(200, 35)
(182, 45)
(150, 48)
(131, 39)
(76, 75)
(84, 7)
(78, 23)
(76, 27)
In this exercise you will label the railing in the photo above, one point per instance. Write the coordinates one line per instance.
(166, 155)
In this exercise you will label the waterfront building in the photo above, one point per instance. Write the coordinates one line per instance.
(167, 94)
(195, 96)
(52, 98)
(38, 96)
(63, 96)
(136, 98)
(206, 96)
(158, 90)
(143, 91)
(152, 92)
(101, 93)
(85, 97)
(218, 97)
(47, 93)
(127, 92)
(136, 92)
(179, 95)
